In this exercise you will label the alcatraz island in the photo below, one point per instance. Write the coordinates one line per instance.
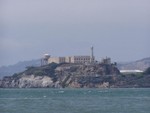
(75, 72)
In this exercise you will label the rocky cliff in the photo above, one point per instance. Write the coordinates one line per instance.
(74, 76)
(26, 82)
(59, 75)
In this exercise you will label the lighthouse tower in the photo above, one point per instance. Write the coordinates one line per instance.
(92, 54)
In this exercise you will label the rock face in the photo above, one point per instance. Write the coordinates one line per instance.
(27, 82)
(35, 81)
(74, 76)
(60, 75)
(101, 81)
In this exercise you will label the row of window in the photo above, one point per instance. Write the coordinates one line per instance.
(82, 59)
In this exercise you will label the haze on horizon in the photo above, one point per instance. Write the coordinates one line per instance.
(119, 29)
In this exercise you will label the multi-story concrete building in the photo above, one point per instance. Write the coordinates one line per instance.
(56, 60)
(47, 59)
(73, 59)
(70, 59)
(80, 59)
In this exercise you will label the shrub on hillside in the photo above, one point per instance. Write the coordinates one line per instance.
(147, 71)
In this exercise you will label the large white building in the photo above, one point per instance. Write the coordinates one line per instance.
(70, 59)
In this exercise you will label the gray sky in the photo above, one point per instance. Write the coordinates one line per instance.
(119, 29)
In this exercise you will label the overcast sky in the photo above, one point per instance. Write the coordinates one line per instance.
(119, 29)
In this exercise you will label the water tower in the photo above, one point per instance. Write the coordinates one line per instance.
(44, 60)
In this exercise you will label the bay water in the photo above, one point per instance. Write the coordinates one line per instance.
(115, 100)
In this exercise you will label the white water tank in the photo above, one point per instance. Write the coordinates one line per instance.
(46, 56)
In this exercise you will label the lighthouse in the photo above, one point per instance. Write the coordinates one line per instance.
(92, 54)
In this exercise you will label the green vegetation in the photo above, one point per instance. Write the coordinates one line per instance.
(48, 70)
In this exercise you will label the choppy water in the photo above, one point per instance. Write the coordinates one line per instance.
(75, 100)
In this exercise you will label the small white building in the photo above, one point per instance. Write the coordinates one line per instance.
(131, 71)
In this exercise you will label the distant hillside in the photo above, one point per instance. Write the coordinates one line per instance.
(19, 67)
(139, 64)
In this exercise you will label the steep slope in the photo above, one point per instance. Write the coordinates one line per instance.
(139, 64)
(75, 76)
(60, 75)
